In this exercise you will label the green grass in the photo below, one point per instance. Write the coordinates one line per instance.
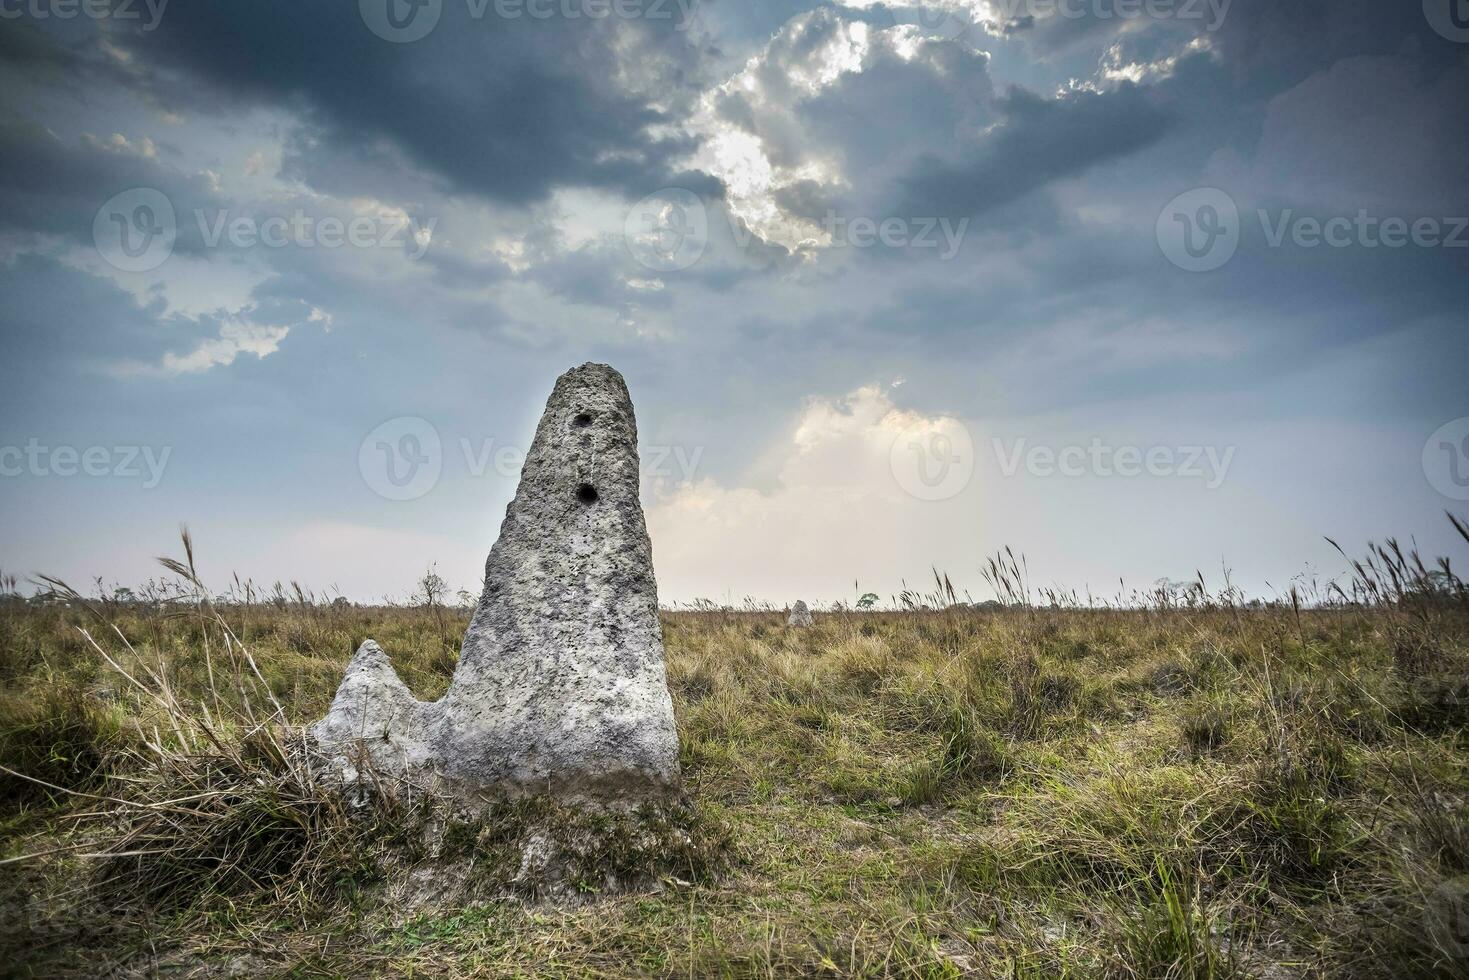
(1206, 792)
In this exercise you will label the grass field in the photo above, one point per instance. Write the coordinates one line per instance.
(1196, 789)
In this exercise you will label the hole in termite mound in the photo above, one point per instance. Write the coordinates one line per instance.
(586, 493)
(582, 420)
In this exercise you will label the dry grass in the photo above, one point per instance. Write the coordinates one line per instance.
(1196, 789)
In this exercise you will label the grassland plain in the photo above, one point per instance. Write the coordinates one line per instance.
(1199, 788)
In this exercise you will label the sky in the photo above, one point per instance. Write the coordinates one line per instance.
(1141, 289)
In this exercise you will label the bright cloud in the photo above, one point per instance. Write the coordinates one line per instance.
(235, 338)
(842, 465)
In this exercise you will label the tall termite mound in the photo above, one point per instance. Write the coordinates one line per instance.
(560, 688)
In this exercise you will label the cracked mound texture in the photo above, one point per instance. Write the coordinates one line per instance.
(560, 688)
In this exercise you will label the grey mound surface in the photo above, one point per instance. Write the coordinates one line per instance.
(560, 688)
(800, 615)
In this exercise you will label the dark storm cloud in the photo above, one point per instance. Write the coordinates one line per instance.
(59, 322)
(598, 277)
(456, 271)
(56, 187)
(52, 185)
(922, 130)
(809, 199)
(883, 117)
(504, 108)
(1330, 115)
(1272, 46)
(1040, 141)
(1098, 23)
(25, 47)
